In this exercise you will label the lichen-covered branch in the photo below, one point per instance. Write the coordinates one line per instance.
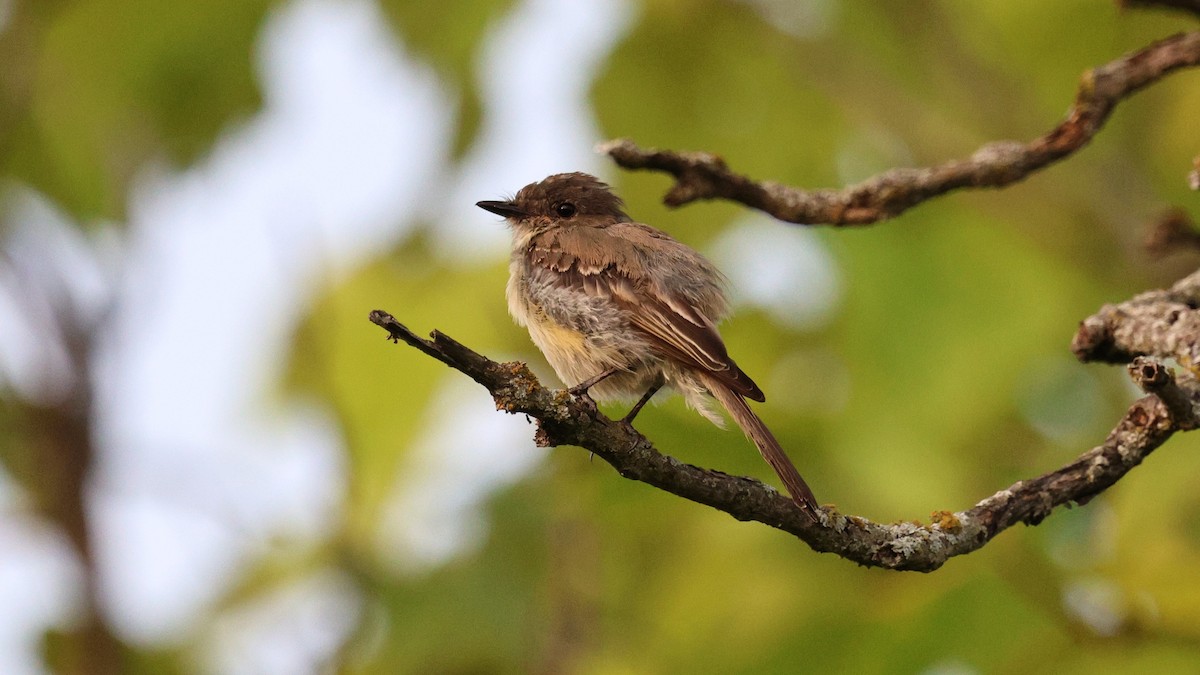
(702, 175)
(1162, 323)
(1170, 406)
(1153, 377)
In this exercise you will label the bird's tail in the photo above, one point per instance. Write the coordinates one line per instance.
(765, 440)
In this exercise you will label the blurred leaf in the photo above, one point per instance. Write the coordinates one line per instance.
(934, 348)
(477, 614)
(674, 83)
(100, 87)
(381, 392)
(450, 34)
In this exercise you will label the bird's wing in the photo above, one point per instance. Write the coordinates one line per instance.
(676, 313)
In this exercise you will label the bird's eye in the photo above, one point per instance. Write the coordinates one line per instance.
(565, 209)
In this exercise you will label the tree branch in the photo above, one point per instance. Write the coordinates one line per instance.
(1171, 405)
(702, 175)
(1162, 323)
(1173, 231)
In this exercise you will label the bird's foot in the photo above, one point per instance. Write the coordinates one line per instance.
(584, 398)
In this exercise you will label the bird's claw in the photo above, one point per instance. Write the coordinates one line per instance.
(584, 399)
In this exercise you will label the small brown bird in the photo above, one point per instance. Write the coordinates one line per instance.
(621, 309)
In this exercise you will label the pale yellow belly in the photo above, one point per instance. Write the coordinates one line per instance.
(577, 357)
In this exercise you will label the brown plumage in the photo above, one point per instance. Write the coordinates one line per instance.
(602, 294)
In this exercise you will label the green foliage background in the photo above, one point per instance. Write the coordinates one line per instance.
(950, 342)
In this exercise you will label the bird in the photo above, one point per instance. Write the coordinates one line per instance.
(621, 309)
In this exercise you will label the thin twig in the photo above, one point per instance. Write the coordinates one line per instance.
(1172, 231)
(702, 175)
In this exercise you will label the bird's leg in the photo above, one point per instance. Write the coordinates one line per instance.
(637, 407)
(580, 390)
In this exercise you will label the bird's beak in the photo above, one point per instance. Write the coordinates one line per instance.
(506, 209)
